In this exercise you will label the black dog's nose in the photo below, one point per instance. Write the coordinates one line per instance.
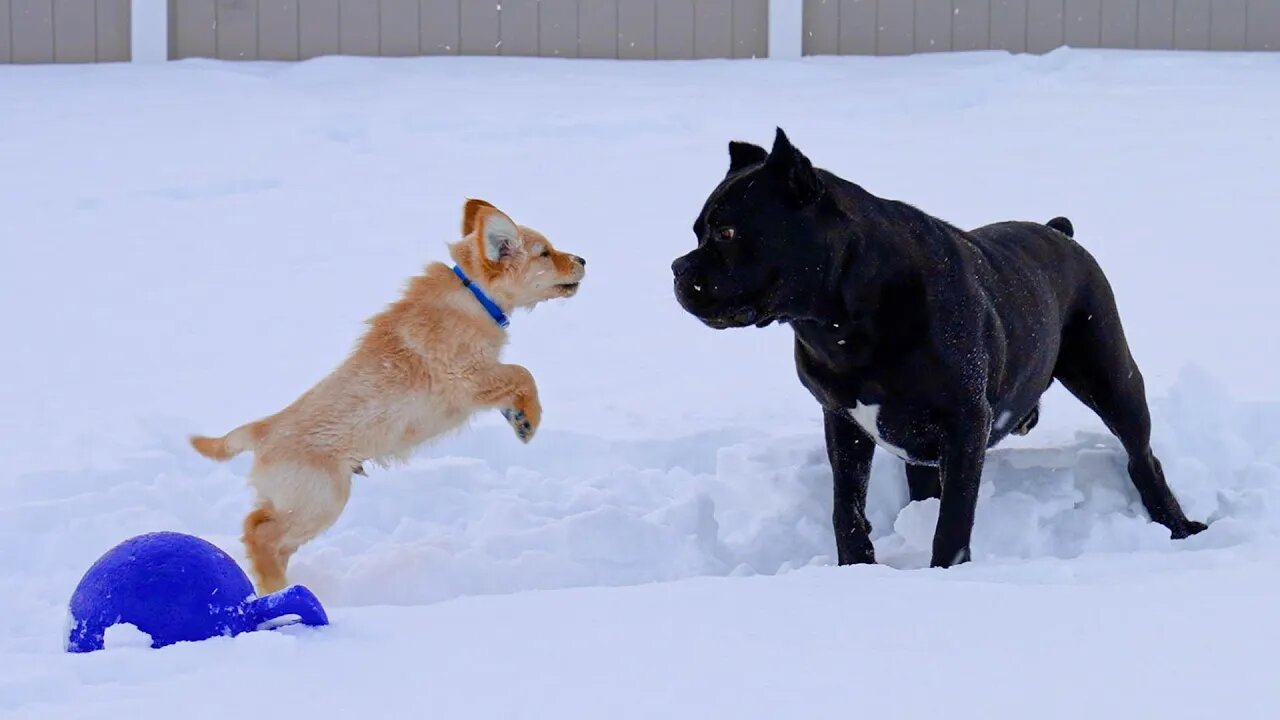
(681, 265)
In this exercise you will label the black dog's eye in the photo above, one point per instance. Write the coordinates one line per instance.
(726, 233)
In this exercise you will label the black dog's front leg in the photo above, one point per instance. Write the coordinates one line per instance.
(961, 466)
(850, 451)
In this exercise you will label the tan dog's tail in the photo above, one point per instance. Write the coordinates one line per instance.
(229, 445)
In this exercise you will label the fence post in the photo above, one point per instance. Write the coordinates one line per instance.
(149, 31)
(786, 29)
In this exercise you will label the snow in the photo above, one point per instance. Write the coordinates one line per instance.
(190, 245)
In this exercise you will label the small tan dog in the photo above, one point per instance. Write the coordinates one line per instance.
(424, 366)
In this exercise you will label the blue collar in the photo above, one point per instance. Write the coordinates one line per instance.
(494, 311)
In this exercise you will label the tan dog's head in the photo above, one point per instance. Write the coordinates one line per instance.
(513, 263)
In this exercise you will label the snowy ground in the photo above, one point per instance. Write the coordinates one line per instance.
(190, 246)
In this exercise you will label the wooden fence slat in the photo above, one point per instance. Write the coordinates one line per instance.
(518, 27)
(1263, 32)
(1046, 28)
(358, 27)
(933, 26)
(479, 33)
(1191, 29)
(75, 31)
(31, 31)
(823, 25)
(1009, 25)
(6, 54)
(1155, 24)
(597, 28)
(278, 30)
(1228, 24)
(114, 31)
(638, 30)
(318, 22)
(399, 28)
(557, 27)
(237, 29)
(971, 25)
(1083, 23)
(895, 30)
(673, 28)
(750, 28)
(1120, 23)
(713, 28)
(441, 28)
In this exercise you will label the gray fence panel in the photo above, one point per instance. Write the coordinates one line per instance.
(1228, 24)
(6, 54)
(1120, 23)
(556, 26)
(358, 27)
(193, 28)
(237, 29)
(673, 28)
(638, 26)
(895, 27)
(1264, 25)
(1155, 24)
(480, 34)
(598, 29)
(857, 27)
(933, 25)
(713, 28)
(399, 28)
(31, 30)
(441, 27)
(518, 27)
(114, 31)
(318, 22)
(75, 31)
(971, 26)
(278, 30)
(1046, 25)
(1083, 23)
(1192, 20)
(1009, 25)
(751, 28)
(822, 27)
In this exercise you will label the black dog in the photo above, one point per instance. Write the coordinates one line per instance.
(933, 342)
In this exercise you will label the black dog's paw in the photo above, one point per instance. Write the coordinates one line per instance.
(1187, 529)
(520, 423)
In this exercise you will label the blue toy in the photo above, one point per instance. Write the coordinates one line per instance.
(177, 587)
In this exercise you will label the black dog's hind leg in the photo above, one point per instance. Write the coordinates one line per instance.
(960, 466)
(850, 451)
(1096, 366)
(923, 482)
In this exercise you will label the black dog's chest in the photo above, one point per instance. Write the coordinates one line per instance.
(897, 423)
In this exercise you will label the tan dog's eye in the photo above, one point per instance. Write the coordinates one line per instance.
(546, 253)
(727, 233)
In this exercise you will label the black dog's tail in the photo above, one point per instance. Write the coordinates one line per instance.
(1063, 226)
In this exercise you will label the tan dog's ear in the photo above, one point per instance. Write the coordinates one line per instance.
(498, 236)
(469, 212)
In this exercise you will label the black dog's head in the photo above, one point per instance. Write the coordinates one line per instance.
(759, 240)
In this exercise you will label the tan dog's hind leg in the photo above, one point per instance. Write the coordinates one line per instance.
(511, 389)
(297, 502)
(263, 533)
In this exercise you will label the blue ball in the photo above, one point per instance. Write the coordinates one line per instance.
(177, 587)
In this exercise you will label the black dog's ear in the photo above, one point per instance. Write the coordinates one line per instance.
(743, 155)
(795, 169)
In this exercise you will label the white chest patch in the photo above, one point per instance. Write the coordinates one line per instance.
(867, 417)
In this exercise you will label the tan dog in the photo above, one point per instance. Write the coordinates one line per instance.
(425, 365)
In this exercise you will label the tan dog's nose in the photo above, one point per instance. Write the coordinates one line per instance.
(581, 261)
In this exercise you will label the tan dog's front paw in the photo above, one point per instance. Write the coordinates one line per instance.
(521, 423)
